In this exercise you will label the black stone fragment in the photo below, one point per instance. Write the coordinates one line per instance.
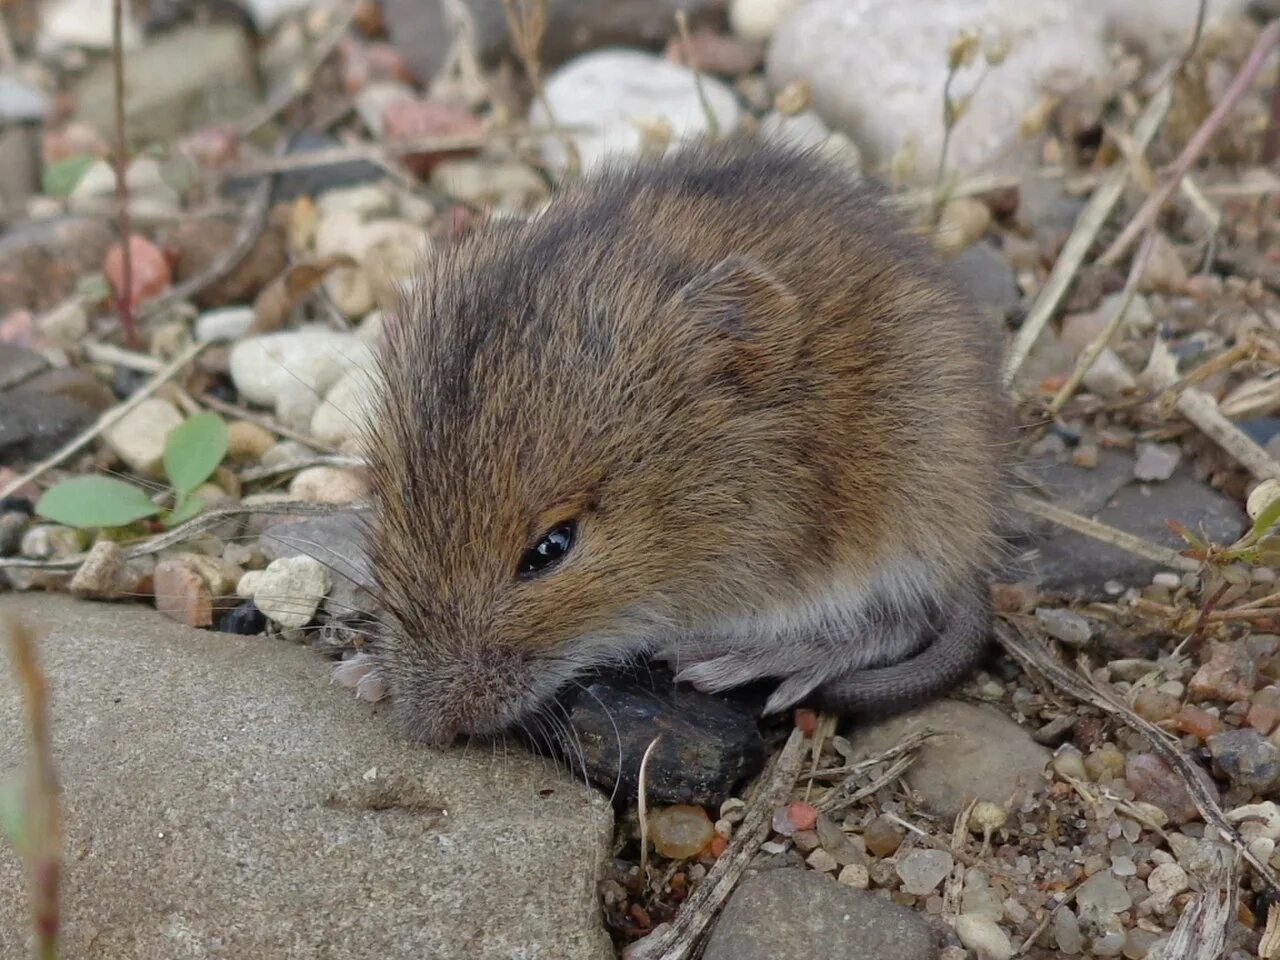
(709, 743)
(246, 619)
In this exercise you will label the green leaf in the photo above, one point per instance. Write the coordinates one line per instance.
(95, 502)
(1267, 519)
(12, 811)
(186, 508)
(60, 178)
(194, 450)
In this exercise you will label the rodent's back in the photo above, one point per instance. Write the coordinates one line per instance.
(757, 392)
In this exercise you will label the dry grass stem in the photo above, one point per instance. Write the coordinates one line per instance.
(107, 419)
(244, 413)
(713, 122)
(642, 805)
(40, 842)
(1200, 140)
(1090, 221)
(681, 938)
(185, 531)
(1103, 340)
(1104, 533)
(124, 296)
(527, 24)
(1202, 410)
(301, 79)
(1201, 933)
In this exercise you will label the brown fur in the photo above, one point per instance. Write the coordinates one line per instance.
(760, 400)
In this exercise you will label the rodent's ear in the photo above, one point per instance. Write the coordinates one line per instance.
(750, 317)
(738, 296)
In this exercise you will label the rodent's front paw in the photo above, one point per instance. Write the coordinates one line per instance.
(362, 675)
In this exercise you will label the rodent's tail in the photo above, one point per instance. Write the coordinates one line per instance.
(957, 649)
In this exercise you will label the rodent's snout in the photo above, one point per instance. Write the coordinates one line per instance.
(480, 695)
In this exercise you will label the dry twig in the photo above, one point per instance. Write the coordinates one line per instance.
(1151, 208)
(679, 939)
(1090, 221)
(124, 296)
(185, 531)
(39, 836)
(1104, 533)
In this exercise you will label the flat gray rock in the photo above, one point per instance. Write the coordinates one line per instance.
(981, 754)
(223, 799)
(797, 914)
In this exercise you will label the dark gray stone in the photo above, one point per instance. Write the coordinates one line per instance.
(986, 276)
(18, 364)
(33, 426)
(1247, 758)
(709, 743)
(421, 33)
(803, 915)
(1068, 562)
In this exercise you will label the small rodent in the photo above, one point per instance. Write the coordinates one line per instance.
(718, 408)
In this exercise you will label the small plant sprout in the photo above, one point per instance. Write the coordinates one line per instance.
(191, 454)
(962, 52)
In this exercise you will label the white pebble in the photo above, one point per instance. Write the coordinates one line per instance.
(983, 936)
(290, 589)
(856, 876)
(225, 325)
(138, 439)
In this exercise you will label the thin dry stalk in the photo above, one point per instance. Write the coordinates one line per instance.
(124, 296)
(713, 122)
(185, 531)
(1104, 533)
(680, 939)
(301, 81)
(642, 805)
(1199, 141)
(279, 429)
(1090, 221)
(1202, 410)
(107, 419)
(41, 840)
(1201, 932)
(527, 24)
(1103, 340)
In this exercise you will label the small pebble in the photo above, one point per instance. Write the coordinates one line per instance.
(982, 935)
(1152, 705)
(822, 861)
(290, 590)
(856, 876)
(244, 619)
(803, 815)
(51, 541)
(1166, 881)
(1153, 781)
(247, 442)
(734, 810)
(139, 437)
(681, 831)
(1247, 758)
(328, 485)
(1198, 722)
(1229, 674)
(104, 574)
(882, 837)
(1156, 461)
(1066, 931)
(181, 592)
(922, 870)
(1065, 625)
(1068, 763)
(1104, 764)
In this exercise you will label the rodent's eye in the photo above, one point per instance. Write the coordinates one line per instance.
(550, 549)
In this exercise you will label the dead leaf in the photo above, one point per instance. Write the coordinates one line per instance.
(286, 291)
